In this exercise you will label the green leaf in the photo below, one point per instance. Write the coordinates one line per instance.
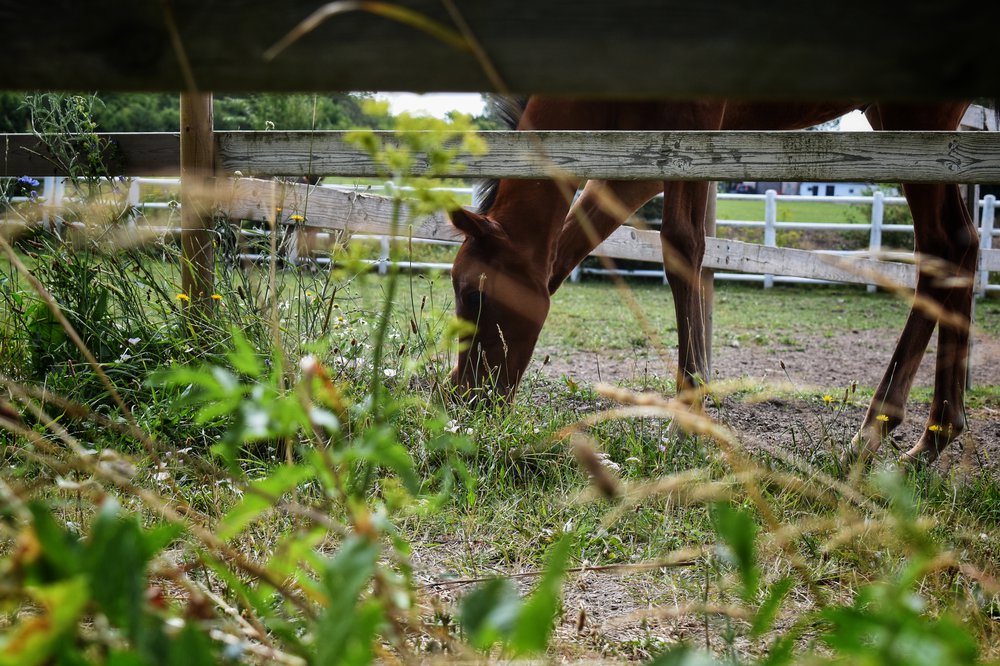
(192, 647)
(535, 621)
(281, 481)
(768, 611)
(490, 612)
(126, 658)
(61, 551)
(782, 650)
(379, 446)
(344, 632)
(116, 559)
(738, 532)
(36, 637)
(244, 356)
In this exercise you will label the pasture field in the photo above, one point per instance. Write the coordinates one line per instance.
(746, 541)
(788, 211)
(284, 475)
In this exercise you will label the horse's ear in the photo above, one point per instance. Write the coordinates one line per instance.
(474, 225)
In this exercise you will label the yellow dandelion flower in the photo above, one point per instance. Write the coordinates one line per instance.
(183, 297)
(828, 398)
(934, 427)
(882, 417)
(296, 218)
(216, 297)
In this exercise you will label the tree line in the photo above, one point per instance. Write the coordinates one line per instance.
(159, 112)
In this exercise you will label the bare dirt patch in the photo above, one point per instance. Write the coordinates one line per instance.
(815, 364)
(630, 616)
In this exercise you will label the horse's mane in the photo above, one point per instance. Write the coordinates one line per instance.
(507, 111)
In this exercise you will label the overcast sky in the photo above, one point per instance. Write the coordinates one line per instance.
(438, 104)
(435, 104)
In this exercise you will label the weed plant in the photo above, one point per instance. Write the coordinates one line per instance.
(290, 482)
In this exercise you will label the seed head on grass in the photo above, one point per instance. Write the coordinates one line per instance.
(596, 466)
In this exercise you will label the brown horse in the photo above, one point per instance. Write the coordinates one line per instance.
(525, 240)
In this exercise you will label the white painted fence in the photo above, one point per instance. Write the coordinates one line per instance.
(875, 228)
(55, 196)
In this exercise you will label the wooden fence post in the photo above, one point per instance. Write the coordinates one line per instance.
(197, 188)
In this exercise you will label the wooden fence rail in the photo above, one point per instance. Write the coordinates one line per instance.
(350, 213)
(946, 157)
(624, 49)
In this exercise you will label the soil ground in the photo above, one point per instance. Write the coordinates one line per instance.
(813, 365)
(632, 616)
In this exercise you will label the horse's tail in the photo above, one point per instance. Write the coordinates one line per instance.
(507, 111)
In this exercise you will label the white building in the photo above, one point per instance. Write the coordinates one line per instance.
(834, 189)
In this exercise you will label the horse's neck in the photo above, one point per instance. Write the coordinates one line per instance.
(532, 213)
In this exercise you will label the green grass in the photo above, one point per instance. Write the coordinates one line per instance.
(293, 473)
(592, 315)
(788, 211)
(528, 488)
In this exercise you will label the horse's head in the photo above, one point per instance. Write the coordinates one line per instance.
(500, 291)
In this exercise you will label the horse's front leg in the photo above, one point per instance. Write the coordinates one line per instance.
(602, 207)
(683, 239)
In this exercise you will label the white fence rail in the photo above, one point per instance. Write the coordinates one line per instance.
(55, 196)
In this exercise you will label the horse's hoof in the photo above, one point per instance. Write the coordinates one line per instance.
(918, 456)
(859, 454)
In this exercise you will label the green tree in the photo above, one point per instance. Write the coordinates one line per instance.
(14, 115)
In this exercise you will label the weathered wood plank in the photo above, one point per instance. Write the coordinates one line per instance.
(954, 157)
(131, 154)
(751, 258)
(729, 255)
(360, 213)
(325, 208)
(628, 48)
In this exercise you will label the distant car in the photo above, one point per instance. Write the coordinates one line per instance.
(743, 188)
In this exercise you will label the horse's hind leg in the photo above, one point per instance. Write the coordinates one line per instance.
(946, 246)
(683, 239)
(950, 287)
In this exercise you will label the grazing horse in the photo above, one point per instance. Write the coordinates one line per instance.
(525, 239)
